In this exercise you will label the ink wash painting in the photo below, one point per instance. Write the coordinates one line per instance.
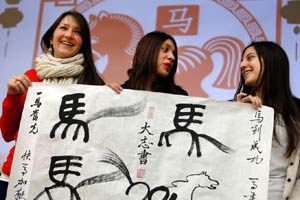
(81, 142)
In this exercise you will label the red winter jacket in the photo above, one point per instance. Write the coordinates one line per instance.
(12, 108)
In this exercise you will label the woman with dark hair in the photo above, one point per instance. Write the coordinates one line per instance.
(89, 75)
(67, 59)
(265, 81)
(154, 65)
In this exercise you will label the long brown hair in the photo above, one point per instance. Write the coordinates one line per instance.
(90, 76)
(144, 65)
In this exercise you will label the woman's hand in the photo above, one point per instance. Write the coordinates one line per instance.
(115, 87)
(18, 84)
(245, 98)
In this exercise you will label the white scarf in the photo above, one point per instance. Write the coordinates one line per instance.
(59, 70)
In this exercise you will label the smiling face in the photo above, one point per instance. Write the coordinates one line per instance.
(250, 67)
(165, 58)
(66, 40)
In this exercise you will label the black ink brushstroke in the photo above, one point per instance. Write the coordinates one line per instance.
(212, 186)
(103, 178)
(56, 162)
(182, 120)
(125, 111)
(68, 109)
(113, 159)
(195, 141)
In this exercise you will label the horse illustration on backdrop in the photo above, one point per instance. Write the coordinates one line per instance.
(114, 39)
(195, 64)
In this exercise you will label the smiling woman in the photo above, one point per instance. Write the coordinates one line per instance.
(265, 80)
(250, 67)
(67, 58)
(154, 65)
(66, 38)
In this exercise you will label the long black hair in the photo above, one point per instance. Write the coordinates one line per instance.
(273, 85)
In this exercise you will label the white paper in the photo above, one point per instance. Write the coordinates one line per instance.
(218, 149)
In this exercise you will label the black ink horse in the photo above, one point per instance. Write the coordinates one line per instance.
(181, 125)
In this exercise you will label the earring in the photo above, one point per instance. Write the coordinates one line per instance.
(50, 50)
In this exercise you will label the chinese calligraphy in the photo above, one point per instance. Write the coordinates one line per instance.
(22, 181)
(145, 144)
(34, 115)
(252, 195)
(68, 110)
(256, 131)
(181, 122)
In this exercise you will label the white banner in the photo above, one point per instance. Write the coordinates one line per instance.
(209, 44)
(87, 142)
